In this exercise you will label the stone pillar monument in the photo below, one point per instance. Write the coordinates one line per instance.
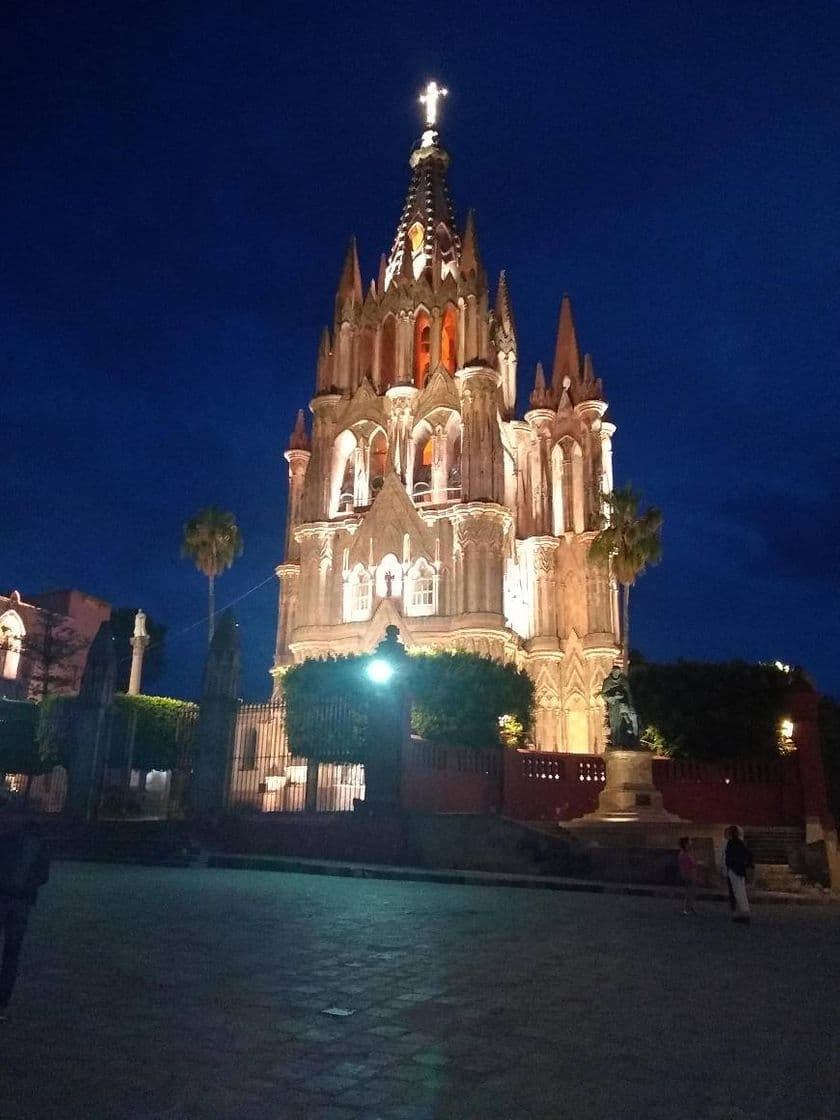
(92, 727)
(139, 642)
(629, 793)
(388, 728)
(217, 715)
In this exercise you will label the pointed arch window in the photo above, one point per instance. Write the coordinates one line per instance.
(424, 457)
(421, 589)
(422, 348)
(358, 595)
(378, 456)
(453, 473)
(416, 235)
(448, 339)
(388, 354)
(567, 487)
(346, 498)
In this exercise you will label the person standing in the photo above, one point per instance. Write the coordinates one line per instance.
(687, 866)
(736, 864)
(24, 868)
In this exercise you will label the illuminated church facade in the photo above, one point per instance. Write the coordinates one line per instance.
(421, 499)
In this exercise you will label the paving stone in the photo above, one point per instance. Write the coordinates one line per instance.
(195, 994)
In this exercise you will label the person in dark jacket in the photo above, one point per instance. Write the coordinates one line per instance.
(737, 863)
(24, 868)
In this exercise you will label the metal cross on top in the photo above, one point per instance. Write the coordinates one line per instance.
(430, 99)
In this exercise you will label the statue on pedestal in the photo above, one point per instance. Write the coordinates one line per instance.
(622, 720)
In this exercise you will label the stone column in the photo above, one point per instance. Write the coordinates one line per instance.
(92, 727)
(298, 460)
(541, 553)
(315, 489)
(139, 642)
(482, 466)
(388, 730)
(218, 710)
(289, 577)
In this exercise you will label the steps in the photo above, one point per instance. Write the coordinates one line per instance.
(773, 845)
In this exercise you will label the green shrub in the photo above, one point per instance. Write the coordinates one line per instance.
(457, 698)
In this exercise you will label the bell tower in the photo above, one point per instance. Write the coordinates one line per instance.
(420, 499)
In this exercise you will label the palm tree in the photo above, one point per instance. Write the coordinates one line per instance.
(629, 541)
(212, 540)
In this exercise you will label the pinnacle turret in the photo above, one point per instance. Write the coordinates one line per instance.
(350, 284)
(566, 352)
(504, 314)
(299, 440)
(470, 255)
(538, 397)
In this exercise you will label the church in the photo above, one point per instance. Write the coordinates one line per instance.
(421, 499)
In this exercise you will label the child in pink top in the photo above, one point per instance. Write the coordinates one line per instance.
(687, 865)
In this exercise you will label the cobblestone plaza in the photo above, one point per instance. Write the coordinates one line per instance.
(196, 994)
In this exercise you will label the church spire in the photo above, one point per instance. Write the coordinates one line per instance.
(566, 353)
(427, 219)
(350, 284)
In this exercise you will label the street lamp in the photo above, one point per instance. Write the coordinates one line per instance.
(380, 670)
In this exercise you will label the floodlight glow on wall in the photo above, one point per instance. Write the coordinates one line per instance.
(380, 671)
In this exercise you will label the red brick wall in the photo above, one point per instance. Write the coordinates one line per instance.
(443, 779)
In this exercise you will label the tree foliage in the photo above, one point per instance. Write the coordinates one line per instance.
(456, 698)
(709, 711)
(163, 731)
(18, 738)
(629, 541)
(460, 697)
(212, 540)
(327, 709)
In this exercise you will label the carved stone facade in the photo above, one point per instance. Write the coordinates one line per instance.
(421, 500)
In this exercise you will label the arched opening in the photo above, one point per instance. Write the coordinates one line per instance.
(559, 490)
(424, 457)
(378, 457)
(448, 340)
(388, 354)
(388, 583)
(12, 633)
(453, 474)
(422, 348)
(346, 497)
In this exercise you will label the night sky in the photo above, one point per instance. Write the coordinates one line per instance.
(179, 185)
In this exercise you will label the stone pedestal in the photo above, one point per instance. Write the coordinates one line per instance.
(630, 794)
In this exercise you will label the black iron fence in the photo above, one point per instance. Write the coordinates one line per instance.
(266, 778)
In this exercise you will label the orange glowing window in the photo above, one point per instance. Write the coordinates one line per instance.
(422, 348)
(415, 236)
(448, 350)
(427, 452)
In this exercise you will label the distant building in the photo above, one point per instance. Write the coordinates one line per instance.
(422, 499)
(44, 641)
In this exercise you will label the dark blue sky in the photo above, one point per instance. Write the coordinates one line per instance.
(179, 184)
